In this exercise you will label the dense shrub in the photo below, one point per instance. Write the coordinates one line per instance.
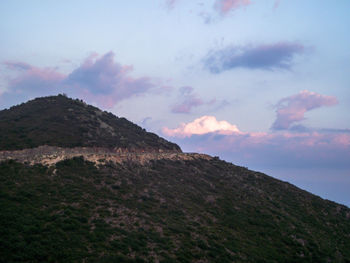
(73, 215)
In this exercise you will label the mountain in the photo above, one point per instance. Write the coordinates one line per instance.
(61, 121)
(98, 200)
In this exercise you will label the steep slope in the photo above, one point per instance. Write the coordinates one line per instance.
(199, 210)
(61, 121)
(91, 187)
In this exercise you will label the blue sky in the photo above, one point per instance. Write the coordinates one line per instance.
(264, 84)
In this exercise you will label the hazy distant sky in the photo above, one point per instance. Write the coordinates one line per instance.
(263, 84)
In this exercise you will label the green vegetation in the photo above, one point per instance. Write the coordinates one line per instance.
(195, 210)
(171, 211)
(61, 121)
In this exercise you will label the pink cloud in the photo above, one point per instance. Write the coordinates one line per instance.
(33, 80)
(292, 109)
(102, 76)
(225, 6)
(202, 125)
(98, 79)
(31, 72)
(268, 149)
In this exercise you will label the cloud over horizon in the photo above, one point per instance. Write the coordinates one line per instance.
(268, 149)
(292, 109)
(266, 57)
(202, 125)
(293, 146)
(99, 79)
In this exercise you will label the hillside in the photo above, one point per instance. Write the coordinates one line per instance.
(98, 201)
(163, 211)
(64, 122)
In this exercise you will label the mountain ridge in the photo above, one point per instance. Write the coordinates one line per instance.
(130, 196)
(64, 122)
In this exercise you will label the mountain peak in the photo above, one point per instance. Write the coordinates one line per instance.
(65, 122)
(82, 185)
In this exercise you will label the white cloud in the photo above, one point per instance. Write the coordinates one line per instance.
(202, 125)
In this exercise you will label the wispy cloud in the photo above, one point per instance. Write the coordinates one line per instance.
(267, 57)
(276, 4)
(17, 65)
(98, 79)
(292, 109)
(171, 3)
(226, 6)
(32, 81)
(188, 100)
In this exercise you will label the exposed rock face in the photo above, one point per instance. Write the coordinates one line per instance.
(49, 155)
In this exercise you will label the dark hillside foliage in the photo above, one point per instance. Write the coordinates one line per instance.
(166, 211)
(64, 122)
(192, 208)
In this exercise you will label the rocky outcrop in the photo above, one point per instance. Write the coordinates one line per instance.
(49, 155)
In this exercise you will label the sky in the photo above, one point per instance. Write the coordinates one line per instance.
(262, 84)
